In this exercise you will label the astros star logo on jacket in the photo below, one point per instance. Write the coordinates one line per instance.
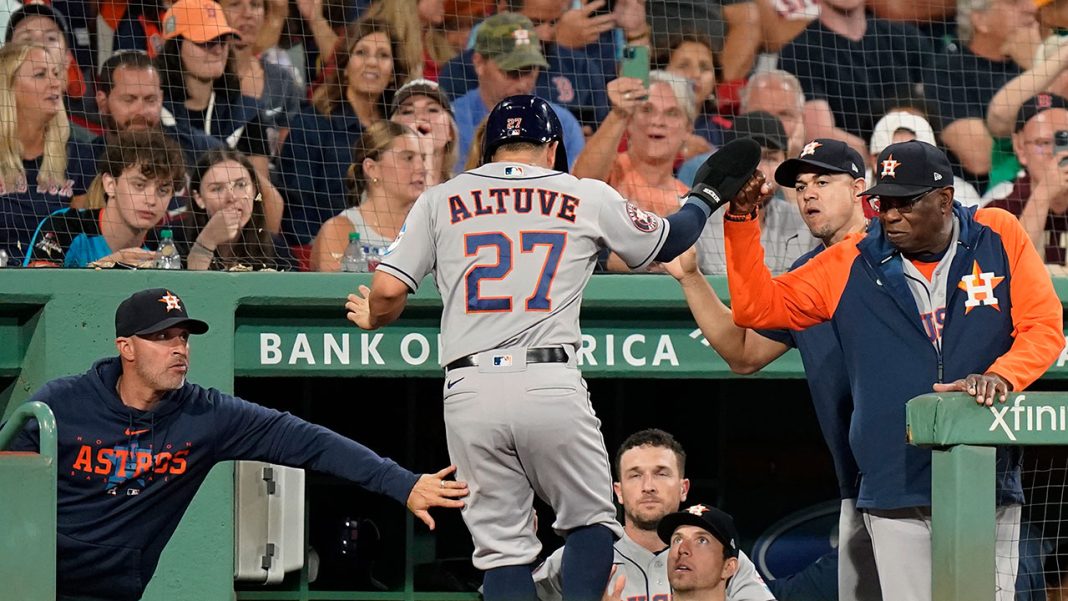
(980, 288)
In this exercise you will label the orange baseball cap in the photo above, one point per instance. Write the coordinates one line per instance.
(1041, 3)
(196, 20)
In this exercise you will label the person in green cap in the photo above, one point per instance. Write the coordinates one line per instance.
(507, 61)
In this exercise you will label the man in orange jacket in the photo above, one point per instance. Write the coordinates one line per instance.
(954, 299)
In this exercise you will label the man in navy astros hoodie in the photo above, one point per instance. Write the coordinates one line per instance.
(136, 439)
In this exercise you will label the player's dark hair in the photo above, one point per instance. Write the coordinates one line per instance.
(157, 156)
(124, 59)
(652, 437)
(375, 140)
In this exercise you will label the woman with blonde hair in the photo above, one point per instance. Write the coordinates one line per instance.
(318, 151)
(387, 175)
(33, 143)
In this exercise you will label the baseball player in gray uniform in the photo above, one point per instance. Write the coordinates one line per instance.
(651, 483)
(511, 245)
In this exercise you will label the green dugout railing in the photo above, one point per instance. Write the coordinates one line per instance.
(962, 436)
(28, 520)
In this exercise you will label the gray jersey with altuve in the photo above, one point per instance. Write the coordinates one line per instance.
(512, 247)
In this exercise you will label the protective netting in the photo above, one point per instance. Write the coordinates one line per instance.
(644, 91)
(1043, 536)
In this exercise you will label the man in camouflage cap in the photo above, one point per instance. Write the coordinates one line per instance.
(507, 61)
(509, 41)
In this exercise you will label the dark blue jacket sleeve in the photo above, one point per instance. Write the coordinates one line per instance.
(249, 431)
(686, 226)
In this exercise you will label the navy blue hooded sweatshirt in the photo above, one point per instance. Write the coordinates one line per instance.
(127, 476)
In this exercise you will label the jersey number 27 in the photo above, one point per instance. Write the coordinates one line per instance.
(529, 241)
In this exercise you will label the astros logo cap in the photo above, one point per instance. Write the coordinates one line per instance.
(153, 310)
(717, 522)
(821, 155)
(910, 168)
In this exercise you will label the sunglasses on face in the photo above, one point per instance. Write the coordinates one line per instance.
(903, 204)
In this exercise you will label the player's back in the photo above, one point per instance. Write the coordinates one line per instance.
(513, 246)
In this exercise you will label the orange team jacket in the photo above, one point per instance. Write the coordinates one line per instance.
(1001, 314)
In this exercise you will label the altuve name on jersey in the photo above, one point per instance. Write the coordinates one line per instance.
(501, 201)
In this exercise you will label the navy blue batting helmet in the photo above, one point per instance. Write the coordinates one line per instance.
(523, 118)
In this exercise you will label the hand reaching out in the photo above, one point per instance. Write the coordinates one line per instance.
(755, 193)
(433, 490)
(359, 311)
(684, 265)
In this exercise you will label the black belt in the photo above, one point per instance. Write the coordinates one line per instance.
(553, 354)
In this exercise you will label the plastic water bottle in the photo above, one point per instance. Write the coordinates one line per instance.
(168, 257)
(354, 260)
(3, 258)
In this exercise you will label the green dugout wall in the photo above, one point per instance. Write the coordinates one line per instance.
(963, 437)
(265, 325)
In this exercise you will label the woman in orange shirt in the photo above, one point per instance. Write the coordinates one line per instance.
(656, 122)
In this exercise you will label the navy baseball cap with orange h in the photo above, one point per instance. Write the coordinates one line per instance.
(907, 169)
(154, 310)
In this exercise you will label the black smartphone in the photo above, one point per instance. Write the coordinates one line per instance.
(609, 5)
(1060, 144)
